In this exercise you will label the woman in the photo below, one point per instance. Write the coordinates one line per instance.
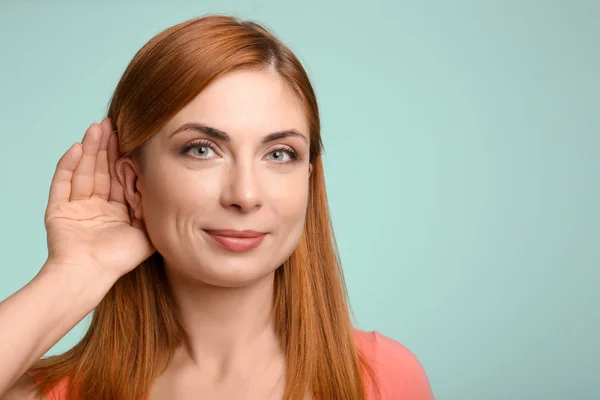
(193, 220)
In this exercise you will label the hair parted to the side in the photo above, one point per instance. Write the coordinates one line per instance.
(134, 330)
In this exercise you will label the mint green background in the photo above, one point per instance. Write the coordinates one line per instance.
(462, 157)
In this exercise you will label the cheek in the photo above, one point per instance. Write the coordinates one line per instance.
(289, 205)
(180, 189)
(172, 200)
(289, 198)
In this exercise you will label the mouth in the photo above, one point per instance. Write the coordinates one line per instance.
(236, 241)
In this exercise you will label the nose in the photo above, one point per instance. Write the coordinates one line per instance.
(241, 189)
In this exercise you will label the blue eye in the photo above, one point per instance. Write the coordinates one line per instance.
(280, 154)
(204, 148)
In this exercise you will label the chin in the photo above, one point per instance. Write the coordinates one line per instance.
(231, 274)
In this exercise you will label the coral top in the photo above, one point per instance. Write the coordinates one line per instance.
(399, 372)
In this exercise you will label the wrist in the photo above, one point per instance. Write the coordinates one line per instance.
(78, 282)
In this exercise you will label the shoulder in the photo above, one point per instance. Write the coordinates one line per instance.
(399, 373)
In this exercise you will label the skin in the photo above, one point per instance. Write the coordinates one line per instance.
(224, 298)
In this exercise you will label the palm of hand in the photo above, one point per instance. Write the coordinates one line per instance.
(87, 218)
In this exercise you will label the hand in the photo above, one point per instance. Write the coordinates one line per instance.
(87, 219)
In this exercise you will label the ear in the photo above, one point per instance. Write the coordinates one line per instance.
(310, 168)
(127, 171)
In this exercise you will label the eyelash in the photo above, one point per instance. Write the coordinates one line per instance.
(205, 143)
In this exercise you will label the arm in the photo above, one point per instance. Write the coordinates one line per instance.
(37, 316)
(92, 242)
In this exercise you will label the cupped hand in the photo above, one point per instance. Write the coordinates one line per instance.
(87, 219)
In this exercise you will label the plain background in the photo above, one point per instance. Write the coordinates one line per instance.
(462, 147)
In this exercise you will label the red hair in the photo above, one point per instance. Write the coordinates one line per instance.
(134, 330)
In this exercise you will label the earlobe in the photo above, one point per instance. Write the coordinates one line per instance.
(127, 174)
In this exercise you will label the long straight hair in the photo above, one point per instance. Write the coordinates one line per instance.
(134, 330)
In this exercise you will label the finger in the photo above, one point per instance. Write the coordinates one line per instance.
(60, 187)
(102, 175)
(116, 189)
(83, 177)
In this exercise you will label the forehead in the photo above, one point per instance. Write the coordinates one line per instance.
(246, 102)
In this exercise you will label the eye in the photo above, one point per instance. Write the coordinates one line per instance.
(283, 155)
(199, 149)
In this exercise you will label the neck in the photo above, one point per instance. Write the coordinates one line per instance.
(228, 329)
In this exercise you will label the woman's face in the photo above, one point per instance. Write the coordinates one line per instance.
(248, 169)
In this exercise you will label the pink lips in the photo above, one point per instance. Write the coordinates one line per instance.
(237, 240)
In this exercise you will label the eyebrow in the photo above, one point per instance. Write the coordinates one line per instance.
(220, 135)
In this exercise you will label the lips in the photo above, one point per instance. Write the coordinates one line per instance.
(236, 241)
